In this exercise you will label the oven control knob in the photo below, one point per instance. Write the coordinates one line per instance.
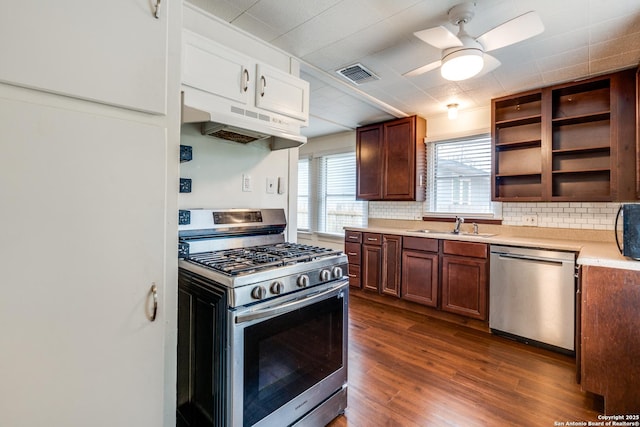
(325, 275)
(258, 292)
(277, 288)
(303, 281)
(337, 272)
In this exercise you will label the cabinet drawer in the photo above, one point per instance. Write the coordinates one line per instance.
(353, 252)
(354, 275)
(420, 244)
(353, 236)
(470, 249)
(372, 238)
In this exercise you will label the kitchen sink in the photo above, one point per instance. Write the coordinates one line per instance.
(462, 233)
(472, 234)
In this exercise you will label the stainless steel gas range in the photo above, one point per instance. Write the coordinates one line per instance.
(262, 323)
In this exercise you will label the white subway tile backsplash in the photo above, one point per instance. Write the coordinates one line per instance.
(579, 215)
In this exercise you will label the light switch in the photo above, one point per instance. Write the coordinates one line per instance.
(246, 182)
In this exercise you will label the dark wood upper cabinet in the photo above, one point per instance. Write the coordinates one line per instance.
(569, 142)
(390, 159)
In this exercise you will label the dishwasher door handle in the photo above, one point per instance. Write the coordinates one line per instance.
(530, 259)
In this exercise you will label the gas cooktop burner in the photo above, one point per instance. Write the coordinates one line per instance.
(252, 259)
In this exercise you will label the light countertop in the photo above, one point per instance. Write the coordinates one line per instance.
(595, 253)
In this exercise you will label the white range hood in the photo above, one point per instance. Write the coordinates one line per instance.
(224, 120)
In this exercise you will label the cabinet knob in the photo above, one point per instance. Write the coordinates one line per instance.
(153, 292)
(263, 84)
(245, 80)
(156, 11)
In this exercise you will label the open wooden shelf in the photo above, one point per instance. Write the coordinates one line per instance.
(569, 142)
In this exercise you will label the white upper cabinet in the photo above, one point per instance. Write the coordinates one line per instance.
(282, 93)
(213, 68)
(113, 53)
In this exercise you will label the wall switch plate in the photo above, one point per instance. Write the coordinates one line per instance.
(271, 185)
(247, 185)
(530, 220)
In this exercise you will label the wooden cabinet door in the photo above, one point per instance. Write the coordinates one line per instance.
(391, 261)
(611, 337)
(369, 152)
(420, 277)
(113, 53)
(371, 267)
(399, 160)
(464, 286)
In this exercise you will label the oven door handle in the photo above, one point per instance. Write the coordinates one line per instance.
(293, 305)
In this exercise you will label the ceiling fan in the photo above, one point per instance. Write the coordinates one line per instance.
(463, 56)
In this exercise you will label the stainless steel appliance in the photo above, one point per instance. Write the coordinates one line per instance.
(532, 296)
(262, 324)
(630, 230)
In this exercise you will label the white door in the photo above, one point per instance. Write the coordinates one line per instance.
(112, 52)
(282, 93)
(81, 242)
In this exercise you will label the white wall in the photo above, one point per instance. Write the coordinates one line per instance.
(217, 170)
(336, 143)
(219, 165)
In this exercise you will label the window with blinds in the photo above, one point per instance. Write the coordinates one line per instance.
(331, 203)
(304, 223)
(459, 176)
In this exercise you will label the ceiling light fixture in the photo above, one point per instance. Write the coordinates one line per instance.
(452, 111)
(461, 64)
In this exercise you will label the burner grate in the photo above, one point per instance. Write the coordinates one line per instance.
(252, 259)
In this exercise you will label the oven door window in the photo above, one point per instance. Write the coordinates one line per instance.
(288, 354)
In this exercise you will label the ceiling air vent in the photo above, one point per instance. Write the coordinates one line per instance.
(357, 74)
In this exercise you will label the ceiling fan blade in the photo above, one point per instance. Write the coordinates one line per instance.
(512, 31)
(439, 37)
(423, 69)
(490, 64)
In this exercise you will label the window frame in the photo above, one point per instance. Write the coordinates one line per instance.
(317, 194)
(431, 195)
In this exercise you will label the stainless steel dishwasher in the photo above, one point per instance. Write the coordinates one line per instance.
(532, 296)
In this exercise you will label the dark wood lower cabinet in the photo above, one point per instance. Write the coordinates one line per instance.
(464, 286)
(371, 271)
(611, 337)
(420, 277)
(391, 261)
(451, 275)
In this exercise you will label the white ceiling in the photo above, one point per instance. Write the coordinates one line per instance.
(582, 38)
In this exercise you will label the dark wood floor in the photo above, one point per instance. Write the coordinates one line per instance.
(408, 369)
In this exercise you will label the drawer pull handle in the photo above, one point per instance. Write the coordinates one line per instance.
(353, 237)
(372, 239)
(352, 253)
(351, 275)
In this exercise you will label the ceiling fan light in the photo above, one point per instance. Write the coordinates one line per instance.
(462, 64)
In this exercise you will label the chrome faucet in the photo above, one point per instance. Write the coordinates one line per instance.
(459, 222)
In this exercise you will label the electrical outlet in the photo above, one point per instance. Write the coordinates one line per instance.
(271, 185)
(530, 220)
